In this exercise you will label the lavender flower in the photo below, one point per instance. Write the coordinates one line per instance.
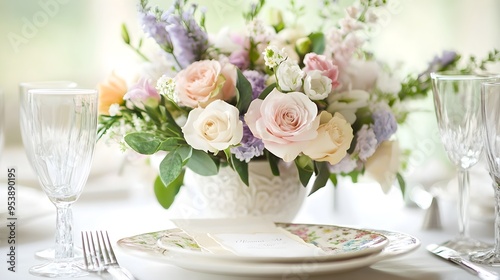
(177, 31)
(385, 124)
(155, 28)
(250, 145)
(366, 142)
(257, 80)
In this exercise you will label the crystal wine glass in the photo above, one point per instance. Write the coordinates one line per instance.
(63, 133)
(23, 96)
(457, 102)
(490, 109)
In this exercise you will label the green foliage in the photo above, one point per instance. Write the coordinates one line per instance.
(170, 167)
(267, 90)
(244, 93)
(322, 176)
(143, 142)
(241, 167)
(318, 42)
(203, 163)
(165, 194)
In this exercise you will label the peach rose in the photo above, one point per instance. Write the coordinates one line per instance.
(285, 122)
(334, 139)
(205, 81)
(111, 91)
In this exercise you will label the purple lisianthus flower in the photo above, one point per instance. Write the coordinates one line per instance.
(240, 59)
(142, 93)
(366, 142)
(250, 145)
(346, 165)
(257, 80)
(440, 62)
(384, 124)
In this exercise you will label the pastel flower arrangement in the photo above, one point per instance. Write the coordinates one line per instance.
(318, 100)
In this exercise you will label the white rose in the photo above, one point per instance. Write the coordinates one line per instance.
(384, 164)
(347, 103)
(214, 128)
(317, 86)
(289, 76)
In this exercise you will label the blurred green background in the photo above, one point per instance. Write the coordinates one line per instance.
(79, 40)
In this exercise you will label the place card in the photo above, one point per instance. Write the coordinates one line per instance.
(251, 237)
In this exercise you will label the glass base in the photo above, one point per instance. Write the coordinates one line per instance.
(58, 269)
(466, 245)
(49, 253)
(489, 257)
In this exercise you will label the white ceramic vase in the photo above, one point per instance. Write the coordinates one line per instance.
(224, 195)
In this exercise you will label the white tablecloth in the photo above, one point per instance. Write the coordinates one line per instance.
(127, 207)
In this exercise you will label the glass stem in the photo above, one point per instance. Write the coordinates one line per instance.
(64, 233)
(463, 202)
(496, 186)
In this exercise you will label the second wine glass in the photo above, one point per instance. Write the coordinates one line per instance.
(457, 102)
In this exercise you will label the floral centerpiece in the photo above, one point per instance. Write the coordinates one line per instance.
(274, 92)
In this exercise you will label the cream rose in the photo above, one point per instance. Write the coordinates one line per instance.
(334, 139)
(384, 164)
(204, 81)
(213, 128)
(285, 122)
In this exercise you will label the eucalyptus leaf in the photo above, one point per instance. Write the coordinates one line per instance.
(143, 142)
(169, 145)
(170, 167)
(203, 164)
(166, 194)
(402, 183)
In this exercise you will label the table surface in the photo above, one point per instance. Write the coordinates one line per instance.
(125, 206)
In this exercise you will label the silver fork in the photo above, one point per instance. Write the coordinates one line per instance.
(104, 257)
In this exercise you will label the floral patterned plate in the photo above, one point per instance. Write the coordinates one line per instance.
(335, 241)
(146, 246)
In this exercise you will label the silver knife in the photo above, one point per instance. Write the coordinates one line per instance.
(453, 256)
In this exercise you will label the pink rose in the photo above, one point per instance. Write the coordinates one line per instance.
(285, 122)
(205, 81)
(319, 62)
(142, 93)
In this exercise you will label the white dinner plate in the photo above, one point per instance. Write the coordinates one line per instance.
(146, 246)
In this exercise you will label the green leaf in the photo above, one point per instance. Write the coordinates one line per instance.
(322, 176)
(402, 183)
(202, 163)
(304, 176)
(170, 167)
(125, 35)
(185, 151)
(267, 90)
(333, 179)
(318, 42)
(241, 167)
(273, 162)
(305, 163)
(143, 142)
(169, 145)
(244, 93)
(166, 194)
